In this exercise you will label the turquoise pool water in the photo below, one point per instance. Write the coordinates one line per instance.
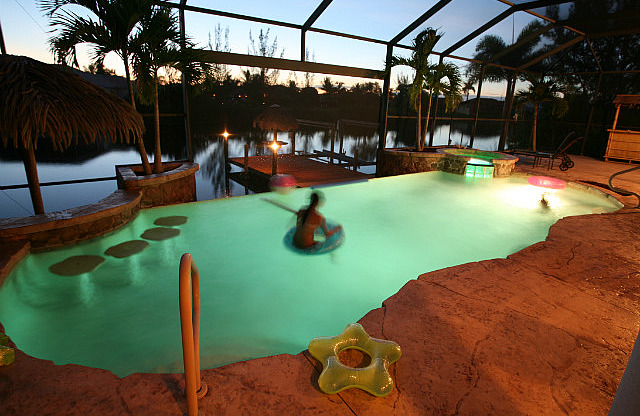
(260, 298)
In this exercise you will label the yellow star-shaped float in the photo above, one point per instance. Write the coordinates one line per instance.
(336, 376)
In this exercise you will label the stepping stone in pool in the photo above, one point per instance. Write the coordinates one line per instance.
(159, 233)
(126, 249)
(75, 265)
(171, 221)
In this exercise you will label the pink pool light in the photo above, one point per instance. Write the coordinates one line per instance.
(282, 183)
(547, 182)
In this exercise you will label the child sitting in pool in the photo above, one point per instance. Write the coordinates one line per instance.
(544, 203)
(309, 220)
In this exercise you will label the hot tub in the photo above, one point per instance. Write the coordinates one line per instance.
(477, 162)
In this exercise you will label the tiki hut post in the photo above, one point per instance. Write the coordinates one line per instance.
(30, 168)
(39, 100)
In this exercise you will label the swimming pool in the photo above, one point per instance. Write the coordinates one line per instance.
(258, 297)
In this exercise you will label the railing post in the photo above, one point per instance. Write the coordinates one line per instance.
(339, 133)
(189, 294)
(333, 140)
(355, 159)
(246, 160)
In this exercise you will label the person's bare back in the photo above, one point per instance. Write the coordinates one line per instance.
(309, 220)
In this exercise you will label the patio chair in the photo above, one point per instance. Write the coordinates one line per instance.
(560, 153)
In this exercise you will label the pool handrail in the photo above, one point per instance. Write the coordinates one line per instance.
(190, 326)
(623, 191)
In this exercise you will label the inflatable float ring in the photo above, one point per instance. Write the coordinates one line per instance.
(328, 244)
(547, 182)
(336, 376)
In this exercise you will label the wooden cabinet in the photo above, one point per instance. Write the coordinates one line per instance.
(623, 144)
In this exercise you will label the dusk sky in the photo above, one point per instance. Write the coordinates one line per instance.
(25, 29)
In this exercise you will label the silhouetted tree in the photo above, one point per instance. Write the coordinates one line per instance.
(466, 87)
(114, 30)
(98, 68)
(423, 45)
(332, 88)
(264, 47)
(308, 76)
(156, 47)
(367, 87)
(615, 53)
(442, 78)
(216, 74)
(539, 92)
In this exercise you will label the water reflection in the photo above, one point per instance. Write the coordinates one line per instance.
(211, 180)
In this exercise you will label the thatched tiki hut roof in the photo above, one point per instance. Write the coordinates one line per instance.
(42, 101)
(275, 118)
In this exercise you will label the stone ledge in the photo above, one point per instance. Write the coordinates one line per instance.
(58, 228)
(447, 159)
(177, 184)
(402, 161)
(10, 254)
(173, 170)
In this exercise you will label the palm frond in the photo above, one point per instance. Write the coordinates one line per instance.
(39, 99)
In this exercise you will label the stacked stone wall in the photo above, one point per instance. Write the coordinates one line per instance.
(55, 229)
(177, 184)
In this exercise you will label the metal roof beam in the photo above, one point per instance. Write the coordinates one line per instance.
(269, 22)
(616, 32)
(521, 42)
(228, 14)
(433, 10)
(316, 13)
(552, 52)
(629, 71)
(479, 30)
(514, 8)
(593, 52)
(196, 9)
(347, 35)
(229, 58)
(311, 20)
(543, 17)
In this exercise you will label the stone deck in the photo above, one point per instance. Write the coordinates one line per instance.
(547, 331)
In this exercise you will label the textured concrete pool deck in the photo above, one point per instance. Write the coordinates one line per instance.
(546, 331)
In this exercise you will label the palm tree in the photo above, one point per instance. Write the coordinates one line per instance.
(113, 31)
(423, 45)
(466, 87)
(332, 88)
(539, 92)
(489, 47)
(443, 78)
(156, 47)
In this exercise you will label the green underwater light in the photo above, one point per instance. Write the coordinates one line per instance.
(478, 168)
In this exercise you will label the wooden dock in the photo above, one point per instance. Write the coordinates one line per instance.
(340, 157)
(306, 171)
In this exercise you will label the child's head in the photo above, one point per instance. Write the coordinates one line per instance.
(315, 198)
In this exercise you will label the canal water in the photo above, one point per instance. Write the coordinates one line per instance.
(99, 160)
